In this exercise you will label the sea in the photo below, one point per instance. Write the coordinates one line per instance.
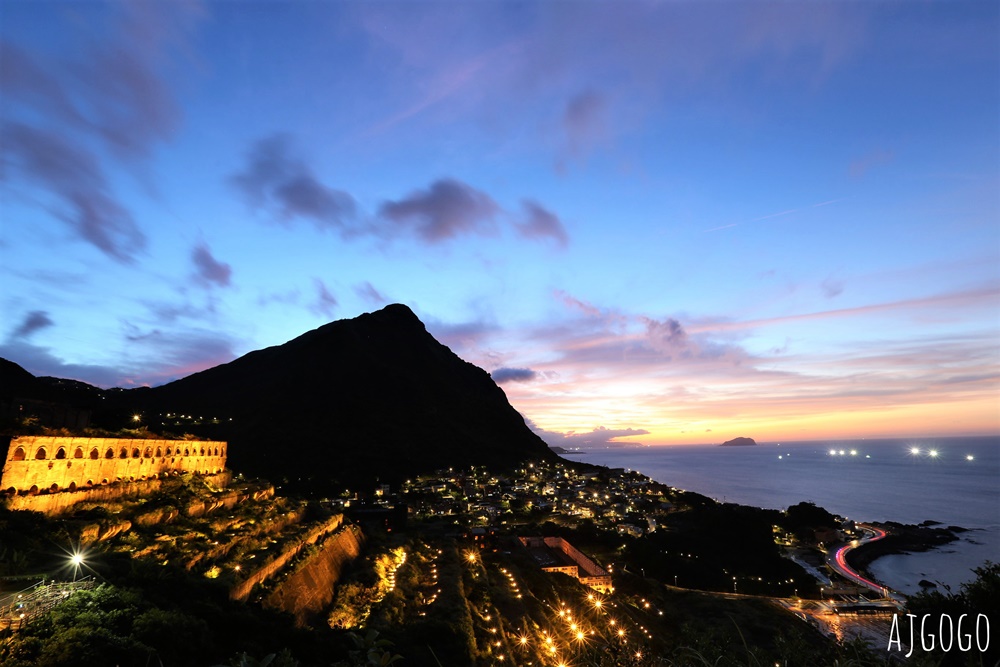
(953, 481)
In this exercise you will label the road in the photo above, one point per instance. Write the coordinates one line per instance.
(839, 563)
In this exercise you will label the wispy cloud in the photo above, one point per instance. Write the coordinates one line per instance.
(584, 124)
(540, 223)
(679, 377)
(862, 165)
(325, 302)
(371, 295)
(59, 114)
(984, 295)
(780, 214)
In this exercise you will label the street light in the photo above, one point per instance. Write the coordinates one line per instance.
(76, 560)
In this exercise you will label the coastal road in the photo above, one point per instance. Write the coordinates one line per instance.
(839, 560)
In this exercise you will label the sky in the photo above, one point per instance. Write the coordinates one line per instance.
(652, 222)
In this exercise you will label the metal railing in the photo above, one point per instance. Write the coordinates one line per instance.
(29, 604)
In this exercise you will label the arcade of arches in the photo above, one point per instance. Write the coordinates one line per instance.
(45, 464)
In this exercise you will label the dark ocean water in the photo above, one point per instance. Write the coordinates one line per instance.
(872, 480)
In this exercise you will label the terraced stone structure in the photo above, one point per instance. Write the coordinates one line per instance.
(48, 465)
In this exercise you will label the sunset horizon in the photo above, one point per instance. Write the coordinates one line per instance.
(663, 223)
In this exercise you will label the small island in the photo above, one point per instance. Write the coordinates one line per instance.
(738, 442)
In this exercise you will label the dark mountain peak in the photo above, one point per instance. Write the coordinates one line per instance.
(13, 378)
(394, 315)
(397, 312)
(372, 396)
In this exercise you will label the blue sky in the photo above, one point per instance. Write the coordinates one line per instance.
(660, 222)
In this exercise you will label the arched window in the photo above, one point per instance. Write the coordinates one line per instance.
(12, 491)
(223, 451)
(169, 451)
(104, 481)
(18, 454)
(78, 454)
(135, 452)
(149, 452)
(110, 454)
(123, 453)
(54, 488)
(72, 486)
(90, 483)
(94, 454)
(186, 452)
(61, 453)
(159, 452)
(33, 490)
(40, 454)
(202, 451)
(216, 451)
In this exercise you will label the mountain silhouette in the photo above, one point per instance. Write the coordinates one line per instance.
(371, 398)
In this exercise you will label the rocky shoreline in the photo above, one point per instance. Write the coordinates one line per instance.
(903, 539)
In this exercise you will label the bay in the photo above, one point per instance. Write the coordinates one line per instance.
(954, 481)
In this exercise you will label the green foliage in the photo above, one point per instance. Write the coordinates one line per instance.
(369, 651)
(283, 659)
(979, 596)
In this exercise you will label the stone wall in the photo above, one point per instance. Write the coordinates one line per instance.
(241, 591)
(57, 503)
(309, 589)
(46, 464)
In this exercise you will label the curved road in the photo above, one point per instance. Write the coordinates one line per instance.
(839, 560)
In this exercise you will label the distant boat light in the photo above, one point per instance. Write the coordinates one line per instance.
(914, 450)
(932, 453)
(970, 457)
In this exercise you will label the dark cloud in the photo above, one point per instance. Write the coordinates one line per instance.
(599, 437)
(326, 302)
(58, 113)
(33, 321)
(540, 223)
(446, 209)
(75, 178)
(502, 375)
(209, 270)
(370, 294)
(278, 182)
